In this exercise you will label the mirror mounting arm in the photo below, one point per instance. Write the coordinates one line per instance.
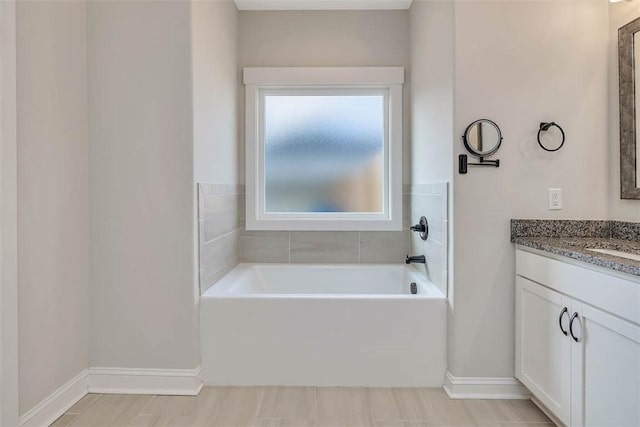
(463, 163)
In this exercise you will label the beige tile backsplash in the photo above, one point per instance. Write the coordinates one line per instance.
(324, 246)
(220, 218)
(264, 246)
(384, 246)
(220, 215)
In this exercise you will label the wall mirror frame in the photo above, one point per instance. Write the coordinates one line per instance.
(481, 138)
(628, 73)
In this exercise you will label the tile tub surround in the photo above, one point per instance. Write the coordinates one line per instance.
(327, 246)
(431, 200)
(223, 240)
(573, 239)
(324, 246)
(220, 219)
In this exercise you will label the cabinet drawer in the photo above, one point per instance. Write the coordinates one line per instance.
(609, 293)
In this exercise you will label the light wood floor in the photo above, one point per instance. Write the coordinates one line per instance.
(301, 406)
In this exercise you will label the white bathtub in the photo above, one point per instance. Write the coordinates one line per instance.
(323, 325)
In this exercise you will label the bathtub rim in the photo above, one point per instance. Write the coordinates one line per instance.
(434, 293)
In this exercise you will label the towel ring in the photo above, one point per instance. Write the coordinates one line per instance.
(545, 127)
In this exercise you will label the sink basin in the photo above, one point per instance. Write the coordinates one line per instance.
(620, 254)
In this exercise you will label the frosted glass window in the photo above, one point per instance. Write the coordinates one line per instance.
(323, 148)
(324, 153)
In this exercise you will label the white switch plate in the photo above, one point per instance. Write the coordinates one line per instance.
(555, 199)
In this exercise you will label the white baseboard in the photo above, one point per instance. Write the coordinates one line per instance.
(484, 388)
(182, 382)
(57, 403)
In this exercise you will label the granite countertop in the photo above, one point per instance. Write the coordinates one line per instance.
(573, 239)
(577, 248)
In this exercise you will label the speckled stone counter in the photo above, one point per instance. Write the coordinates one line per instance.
(573, 239)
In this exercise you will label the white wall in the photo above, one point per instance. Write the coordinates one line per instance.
(328, 39)
(432, 91)
(143, 303)
(214, 32)
(520, 63)
(432, 75)
(324, 38)
(53, 206)
(620, 14)
(216, 91)
(8, 219)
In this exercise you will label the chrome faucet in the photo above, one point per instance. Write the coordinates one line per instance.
(416, 259)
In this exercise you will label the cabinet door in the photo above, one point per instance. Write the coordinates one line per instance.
(543, 351)
(606, 369)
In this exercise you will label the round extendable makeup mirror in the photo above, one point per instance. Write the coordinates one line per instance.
(482, 138)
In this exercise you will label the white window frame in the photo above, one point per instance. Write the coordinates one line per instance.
(386, 81)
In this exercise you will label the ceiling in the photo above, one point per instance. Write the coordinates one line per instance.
(322, 4)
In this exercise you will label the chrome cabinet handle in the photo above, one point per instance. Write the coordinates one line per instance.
(573, 317)
(562, 313)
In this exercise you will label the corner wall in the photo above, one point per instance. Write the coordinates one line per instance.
(520, 63)
(122, 75)
(8, 219)
(214, 58)
(53, 197)
(220, 201)
(144, 306)
(432, 78)
(432, 91)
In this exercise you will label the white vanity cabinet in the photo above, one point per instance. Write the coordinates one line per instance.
(578, 341)
(543, 352)
(605, 366)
